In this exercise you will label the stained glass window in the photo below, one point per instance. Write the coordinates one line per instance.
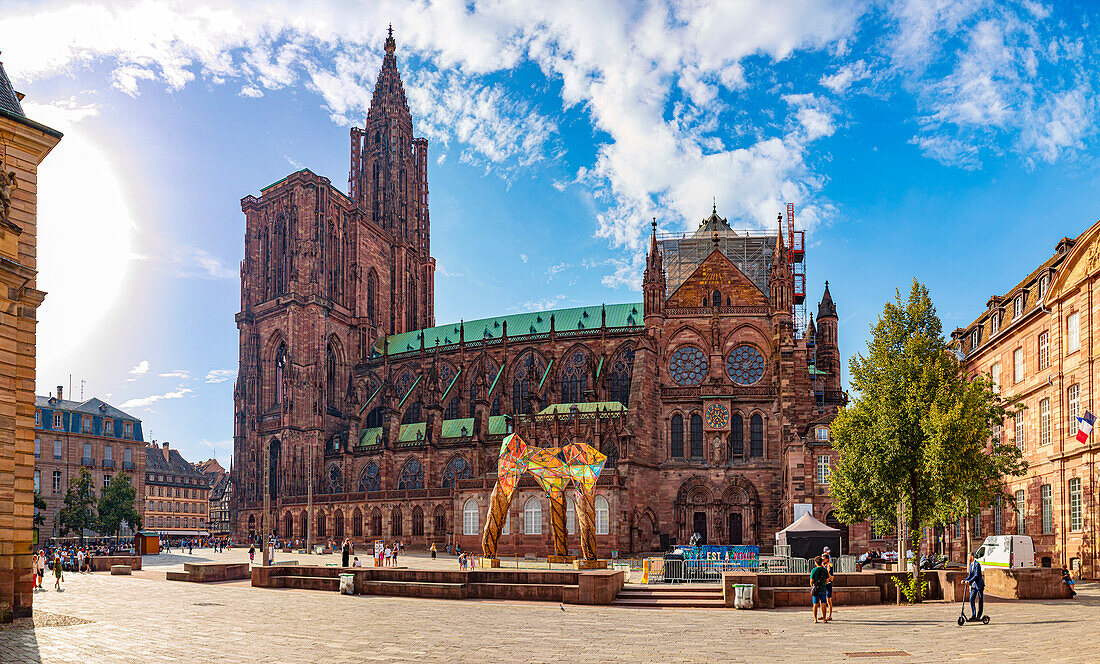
(412, 475)
(619, 379)
(688, 365)
(370, 479)
(525, 378)
(574, 377)
(745, 365)
(677, 436)
(458, 468)
(737, 436)
(696, 437)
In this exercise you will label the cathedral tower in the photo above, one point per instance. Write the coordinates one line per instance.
(389, 185)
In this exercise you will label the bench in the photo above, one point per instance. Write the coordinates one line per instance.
(423, 589)
(120, 570)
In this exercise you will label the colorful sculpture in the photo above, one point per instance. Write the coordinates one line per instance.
(554, 468)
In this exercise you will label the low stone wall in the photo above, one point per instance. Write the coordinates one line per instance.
(104, 563)
(570, 587)
(858, 588)
(1030, 583)
(210, 572)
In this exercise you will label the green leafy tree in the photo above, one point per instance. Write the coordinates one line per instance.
(117, 506)
(914, 445)
(78, 512)
(39, 506)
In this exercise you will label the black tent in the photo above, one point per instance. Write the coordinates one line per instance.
(808, 537)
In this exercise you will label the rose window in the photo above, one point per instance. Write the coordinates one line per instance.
(688, 365)
(745, 365)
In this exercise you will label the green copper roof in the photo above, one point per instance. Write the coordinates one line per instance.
(814, 371)
(453, 428)
(498, 425)
(593, 407)
(411, 433)
(369, 437)
(519, 325)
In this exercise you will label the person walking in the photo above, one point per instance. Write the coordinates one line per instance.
(827, 563)
(58, 574)
(433, 550)
(976, 581)
(252, 553)
(819, 576)
(346, 553)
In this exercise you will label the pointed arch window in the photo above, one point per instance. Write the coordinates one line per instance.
(412, 476)
(280, 369)
(412, 414)
(452, 410)
(677, 436)
(396, 527)
(457, 468)
(715, 299)
(333, 479)
(696, 437)
(574, 377)
(525, 379)
(756, 435)
(371, 478)
(737, 436)
(418, 521)
(610, 449)
(372, 287)
(376, 522)
(619, 378)
(331, 379)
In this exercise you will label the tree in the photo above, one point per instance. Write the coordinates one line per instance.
(914, 444)
(39, 505)
(78, 512)
(117, 505)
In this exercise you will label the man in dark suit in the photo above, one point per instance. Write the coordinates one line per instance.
(976, 582)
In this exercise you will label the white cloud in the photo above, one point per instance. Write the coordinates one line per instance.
(220, 375)
(141, 369)
(251, 91)
(846, 76)
(523, 257)
(178, 373)
(192, 263)
(142, 402)
(539, 305)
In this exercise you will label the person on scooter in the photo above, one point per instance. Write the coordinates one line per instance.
(976, 582)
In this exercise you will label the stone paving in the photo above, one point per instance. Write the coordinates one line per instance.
(147, 619)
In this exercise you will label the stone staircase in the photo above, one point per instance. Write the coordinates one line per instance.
(671, 596)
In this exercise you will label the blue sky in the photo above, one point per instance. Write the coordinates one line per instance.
(951, 141)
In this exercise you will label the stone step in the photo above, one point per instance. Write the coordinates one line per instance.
(674, 594)
(669, 603)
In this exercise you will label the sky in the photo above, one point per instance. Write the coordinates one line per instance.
(951, 141)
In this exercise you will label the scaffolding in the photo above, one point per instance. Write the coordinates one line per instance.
(751, 251)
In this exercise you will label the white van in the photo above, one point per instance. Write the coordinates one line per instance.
(1006, 551)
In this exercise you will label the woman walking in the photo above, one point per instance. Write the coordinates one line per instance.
(58, 575)
(346, 548)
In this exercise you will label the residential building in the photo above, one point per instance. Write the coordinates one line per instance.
(70, 435)
(24, 143)
(1044, 330)
(221, 495)
(177, 494)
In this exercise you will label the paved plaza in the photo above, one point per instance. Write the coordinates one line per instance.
(143, 618)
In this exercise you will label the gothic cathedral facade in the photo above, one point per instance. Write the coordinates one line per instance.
(359, 417)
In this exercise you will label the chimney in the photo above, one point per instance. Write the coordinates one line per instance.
(166, 446)
(59, 392)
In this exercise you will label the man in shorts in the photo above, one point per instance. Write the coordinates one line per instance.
(819, 576)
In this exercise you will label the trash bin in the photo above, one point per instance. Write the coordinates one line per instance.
(742, 595)
(347, 584)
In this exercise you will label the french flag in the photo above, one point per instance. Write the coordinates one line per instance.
(1084, 426)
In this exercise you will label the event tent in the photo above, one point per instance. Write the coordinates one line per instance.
(808, 537)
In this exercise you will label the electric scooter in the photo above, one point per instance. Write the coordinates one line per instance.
(964, 620)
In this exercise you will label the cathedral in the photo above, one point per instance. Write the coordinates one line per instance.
(357, 415)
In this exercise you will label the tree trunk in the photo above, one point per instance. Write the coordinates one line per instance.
(969, 531)
(914, 538)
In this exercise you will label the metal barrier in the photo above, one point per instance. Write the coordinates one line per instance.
(846, 564)
(710, 571)
(781, 551)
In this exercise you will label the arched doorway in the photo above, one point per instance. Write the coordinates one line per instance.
(252, 527)
(741, 512)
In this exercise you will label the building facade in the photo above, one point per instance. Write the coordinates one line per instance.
(220, 497)
(177, 495)
(357, 416)
(1036, 342)
(24, 143)
(92, 434)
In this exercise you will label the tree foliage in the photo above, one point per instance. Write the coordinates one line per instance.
(78, 512)
(918, 432)
(39, 506)
(117, 505)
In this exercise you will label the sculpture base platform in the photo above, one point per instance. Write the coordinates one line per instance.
(561, 560)
(589, 564)
(488, 562)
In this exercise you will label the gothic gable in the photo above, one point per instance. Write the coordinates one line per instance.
(717, 273)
